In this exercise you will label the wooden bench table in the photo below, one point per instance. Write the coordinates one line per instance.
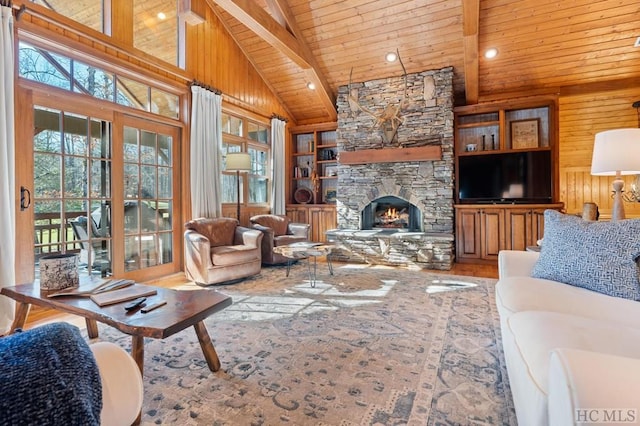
(184, 308)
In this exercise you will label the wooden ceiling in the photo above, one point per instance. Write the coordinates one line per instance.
(545, 46)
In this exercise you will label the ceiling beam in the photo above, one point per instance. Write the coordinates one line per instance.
(280, 8)
(470, 24)
(276, 12)
(250, 59)
(260, 22)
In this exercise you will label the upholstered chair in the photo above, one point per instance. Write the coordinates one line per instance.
(218, 250)
(278, 230)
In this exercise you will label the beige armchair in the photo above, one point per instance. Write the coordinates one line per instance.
(217, 250)
(278, 230)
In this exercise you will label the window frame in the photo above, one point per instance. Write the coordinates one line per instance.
(246, 144)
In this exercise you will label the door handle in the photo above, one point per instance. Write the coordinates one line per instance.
(25, 198)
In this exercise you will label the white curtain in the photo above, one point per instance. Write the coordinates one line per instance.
(7, 169)
(206, 158)
(277, 151)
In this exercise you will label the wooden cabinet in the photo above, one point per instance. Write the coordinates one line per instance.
(525, 226)
(480, 233)
(322, 218)
(483, 230)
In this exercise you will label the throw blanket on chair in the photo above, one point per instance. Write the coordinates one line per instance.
(48, 376)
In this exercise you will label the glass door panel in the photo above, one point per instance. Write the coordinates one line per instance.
(72, 188)
(148, 196)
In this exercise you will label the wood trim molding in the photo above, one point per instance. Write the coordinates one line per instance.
(391, 155)
(470, 24)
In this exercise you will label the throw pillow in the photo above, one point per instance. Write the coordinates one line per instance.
(599, 256)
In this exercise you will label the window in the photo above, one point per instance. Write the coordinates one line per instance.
(72, 188)
(231, 125)
(258, 132)
(56, 70)
(256, 142)
(155, 29)
(87, 12)
(258, 176)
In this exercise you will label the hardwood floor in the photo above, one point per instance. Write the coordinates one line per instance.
(39, 316)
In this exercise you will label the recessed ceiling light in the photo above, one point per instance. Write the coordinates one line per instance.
(311, 86)
(162, 15)
(491, 53)
(391, 57)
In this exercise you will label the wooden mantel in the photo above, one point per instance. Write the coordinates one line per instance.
(390, 155)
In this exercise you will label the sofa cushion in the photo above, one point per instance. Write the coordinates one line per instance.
(220, 230)
(599, 256)
(517, 294)
(234, 255)
(278, 223)
(537, 333)
(283, 240)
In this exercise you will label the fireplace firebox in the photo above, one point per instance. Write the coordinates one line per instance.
(391, 213)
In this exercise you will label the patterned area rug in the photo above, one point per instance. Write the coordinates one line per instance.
(367, 346)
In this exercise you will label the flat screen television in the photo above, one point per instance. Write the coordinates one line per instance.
(515, 177)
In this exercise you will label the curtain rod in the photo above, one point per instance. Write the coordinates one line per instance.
(279, 117)
(19, 9)
(205, 86)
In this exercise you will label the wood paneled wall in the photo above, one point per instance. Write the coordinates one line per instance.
(213, 57)
(581, 117)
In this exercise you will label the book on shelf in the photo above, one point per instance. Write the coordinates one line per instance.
(123, 295)
(86, 290)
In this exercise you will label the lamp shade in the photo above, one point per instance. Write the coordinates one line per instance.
(238, 161)
(616, 151)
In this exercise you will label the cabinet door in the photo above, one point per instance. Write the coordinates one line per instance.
(537, 225)
(321, 219)
(519, 229)
(297, 214)
(491, 233)
(468, 233)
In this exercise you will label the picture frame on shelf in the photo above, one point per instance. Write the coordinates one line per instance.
(330, 195)
(331, 171)
(525, 133)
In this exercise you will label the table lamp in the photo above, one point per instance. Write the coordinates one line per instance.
(616, 153)
(238, 162)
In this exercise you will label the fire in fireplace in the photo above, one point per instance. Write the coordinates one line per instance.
(391, 213)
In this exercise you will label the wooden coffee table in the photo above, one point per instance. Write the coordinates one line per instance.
(184, 308)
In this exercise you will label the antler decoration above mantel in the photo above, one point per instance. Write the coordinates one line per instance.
(390, 118)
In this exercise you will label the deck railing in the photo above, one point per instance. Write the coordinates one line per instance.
(51, 235)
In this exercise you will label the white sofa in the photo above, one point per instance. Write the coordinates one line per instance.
(572, 355)
(122, 390)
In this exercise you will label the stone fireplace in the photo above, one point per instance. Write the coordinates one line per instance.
(397, 209)
(391, 213)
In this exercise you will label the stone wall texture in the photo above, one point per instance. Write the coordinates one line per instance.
(427, 119)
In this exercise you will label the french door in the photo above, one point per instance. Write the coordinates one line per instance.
(147, 217)
(103, 187)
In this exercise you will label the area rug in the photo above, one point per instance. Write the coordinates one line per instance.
(366, 346)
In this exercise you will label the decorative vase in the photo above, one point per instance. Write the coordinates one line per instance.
(59, 271)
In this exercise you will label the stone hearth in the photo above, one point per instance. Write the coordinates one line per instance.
(428, 185)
